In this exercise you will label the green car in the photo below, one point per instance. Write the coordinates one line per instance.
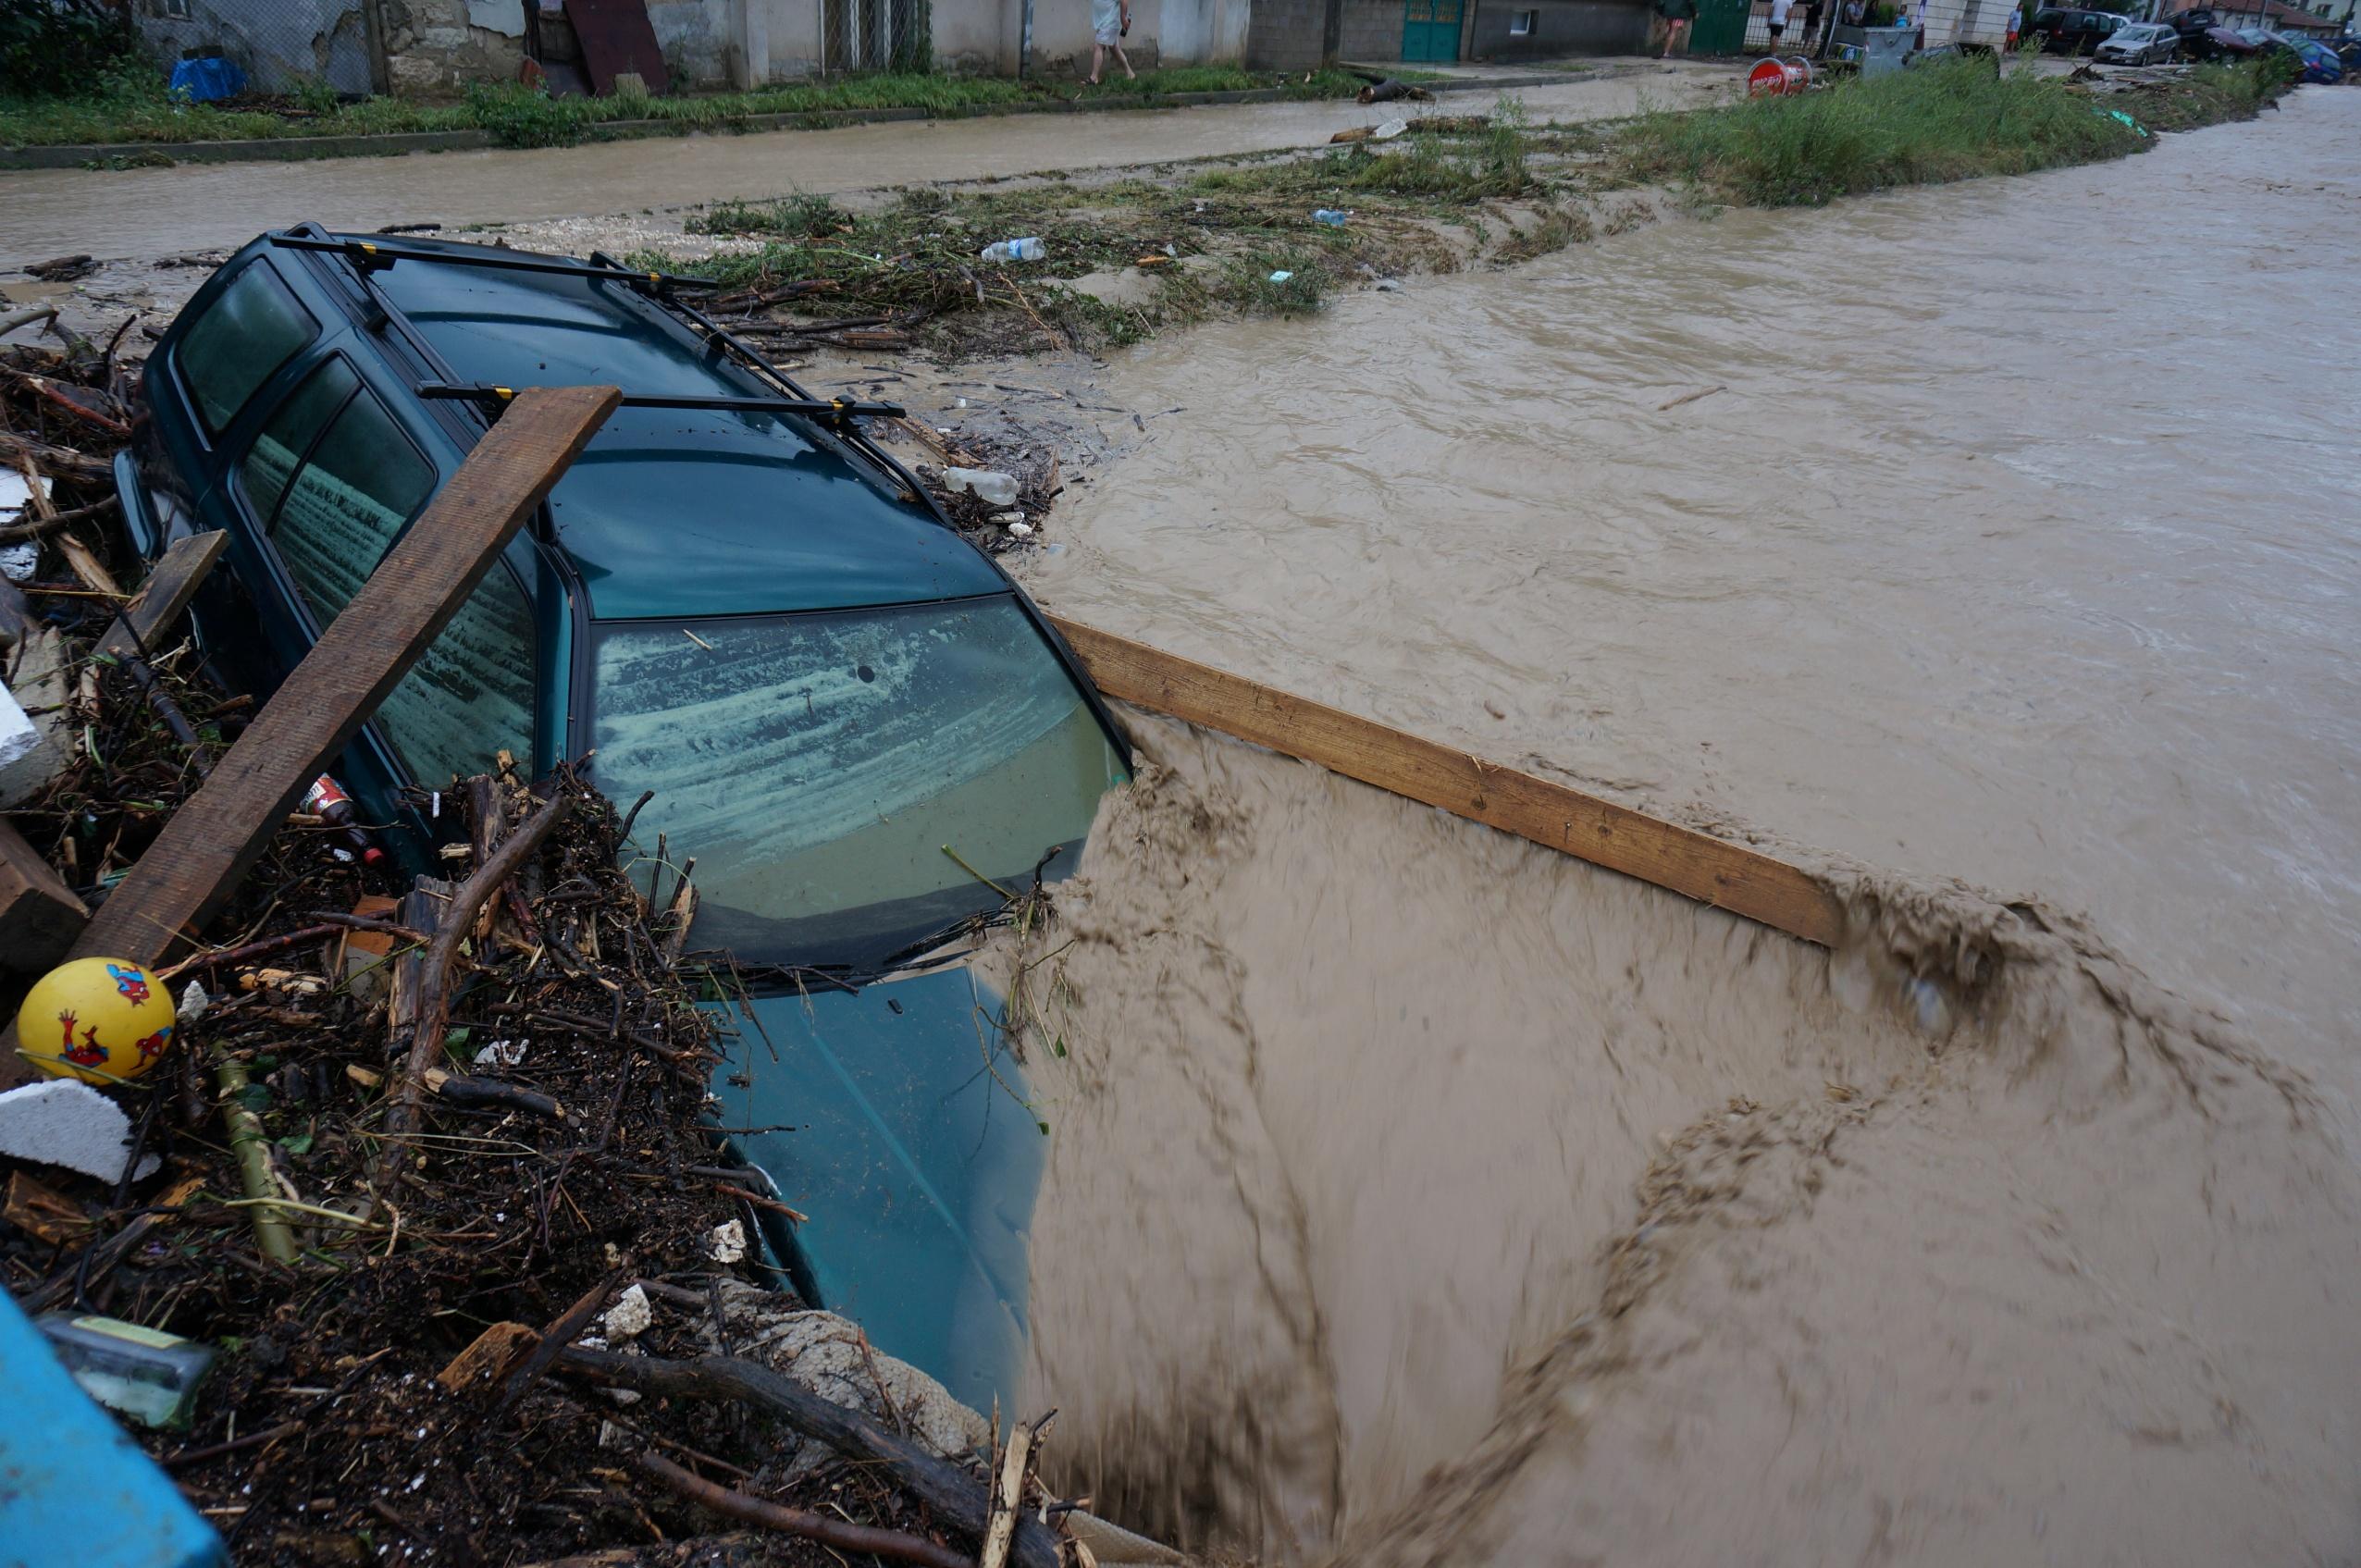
(847, 715)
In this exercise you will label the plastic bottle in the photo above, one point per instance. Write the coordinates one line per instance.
(327, 800)
(1014, 250)
(993, 487)
(1330, 216)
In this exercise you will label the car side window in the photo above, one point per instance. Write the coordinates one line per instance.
(355, 487)
(335, 481)
(470, 694)
(252, 327)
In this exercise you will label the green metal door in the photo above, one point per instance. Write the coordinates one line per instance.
(1430, 30)
(1719, 28)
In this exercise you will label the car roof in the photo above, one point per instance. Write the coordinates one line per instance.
(683, 513)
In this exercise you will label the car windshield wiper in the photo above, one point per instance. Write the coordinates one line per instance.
(836, 409)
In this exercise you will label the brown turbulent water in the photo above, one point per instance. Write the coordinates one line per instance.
(1418, 1196)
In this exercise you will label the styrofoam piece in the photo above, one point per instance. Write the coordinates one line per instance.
(64, 1122)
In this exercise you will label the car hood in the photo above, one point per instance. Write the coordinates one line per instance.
(896, 1119)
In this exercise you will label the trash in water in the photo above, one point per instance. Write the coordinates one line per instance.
(1388, 285)
(1013, 250)
(990, 485)
(145, 1374)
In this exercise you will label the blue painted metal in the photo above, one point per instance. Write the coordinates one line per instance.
(911, 1150)
(74, 1488)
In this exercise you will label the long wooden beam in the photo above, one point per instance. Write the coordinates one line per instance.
(1713, 870)
(218, 833)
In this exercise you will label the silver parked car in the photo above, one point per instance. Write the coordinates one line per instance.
(2139, 45)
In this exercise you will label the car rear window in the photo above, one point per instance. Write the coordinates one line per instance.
(252, 327)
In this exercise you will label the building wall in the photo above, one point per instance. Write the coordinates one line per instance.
(1371, 29)
(280, 47)
(437, 47)
(1560, 27)
(1286, 35)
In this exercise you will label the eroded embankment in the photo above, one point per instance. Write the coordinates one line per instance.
(1419, 1196)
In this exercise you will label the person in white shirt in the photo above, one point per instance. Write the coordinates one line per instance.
(1779, 9)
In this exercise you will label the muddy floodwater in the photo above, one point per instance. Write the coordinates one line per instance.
(1418, 1196)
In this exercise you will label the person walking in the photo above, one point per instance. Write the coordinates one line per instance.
(1678, 15)
(1779, 9)
(1110, 20)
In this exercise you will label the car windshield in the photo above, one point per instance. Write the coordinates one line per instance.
(848, 780)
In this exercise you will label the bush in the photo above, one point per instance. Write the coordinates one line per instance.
(517, 116)
(50, 47)
(1950, 121)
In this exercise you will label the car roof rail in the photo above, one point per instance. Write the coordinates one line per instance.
(371, 256)
(836, 410)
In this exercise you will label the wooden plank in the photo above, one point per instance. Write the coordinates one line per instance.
(40, 917)
(219, 831)
(164, 597)
(1713, 870)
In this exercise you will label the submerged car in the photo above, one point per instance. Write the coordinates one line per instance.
(2321, 64)
(2141, 43)
(860, 728)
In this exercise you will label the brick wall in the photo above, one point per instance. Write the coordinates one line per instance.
(1287, 35)
(1370, 30)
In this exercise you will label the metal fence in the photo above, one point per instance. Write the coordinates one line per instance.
(876, 35)
(282, 45)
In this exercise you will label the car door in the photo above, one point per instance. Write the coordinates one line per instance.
(329, 480)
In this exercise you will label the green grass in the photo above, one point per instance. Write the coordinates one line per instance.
(1943, 122)
(131, 104)
(1956, 120)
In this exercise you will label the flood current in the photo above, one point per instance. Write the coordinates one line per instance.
(1419, 1196)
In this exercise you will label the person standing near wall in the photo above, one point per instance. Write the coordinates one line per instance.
(1110, 20)
(1678, 15)
(1779, 9)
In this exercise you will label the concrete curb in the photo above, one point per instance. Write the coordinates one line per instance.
(285, 149)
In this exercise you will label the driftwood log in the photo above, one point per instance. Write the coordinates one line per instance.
(955, 1497)
(874, 1539)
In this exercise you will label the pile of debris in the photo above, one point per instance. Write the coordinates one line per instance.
(419, 1228)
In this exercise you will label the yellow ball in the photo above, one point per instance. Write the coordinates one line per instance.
(98, 1019)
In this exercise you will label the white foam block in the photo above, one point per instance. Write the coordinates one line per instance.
(18, 733)
(66, 1122)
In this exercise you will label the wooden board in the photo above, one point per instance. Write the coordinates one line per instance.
(415, 591)
(164, 597)
(1713, 870)
(616, 37)
(40, 917)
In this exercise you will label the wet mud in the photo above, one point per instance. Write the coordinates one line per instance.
(1417, 1196)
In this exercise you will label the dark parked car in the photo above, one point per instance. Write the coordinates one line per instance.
(733, 599)
(2203, 37)
(2061, 31)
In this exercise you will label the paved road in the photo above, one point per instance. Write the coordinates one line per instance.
(141, 213)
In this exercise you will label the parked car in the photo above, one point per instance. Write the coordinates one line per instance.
(2321, 64)
(2218, 43)
(2141, 43)
(2063, 31)
(735, 600)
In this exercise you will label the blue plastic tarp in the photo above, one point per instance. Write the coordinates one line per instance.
(207, 81)
(74, 1488)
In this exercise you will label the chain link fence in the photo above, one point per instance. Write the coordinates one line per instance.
(876, 35)
(287, 46)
